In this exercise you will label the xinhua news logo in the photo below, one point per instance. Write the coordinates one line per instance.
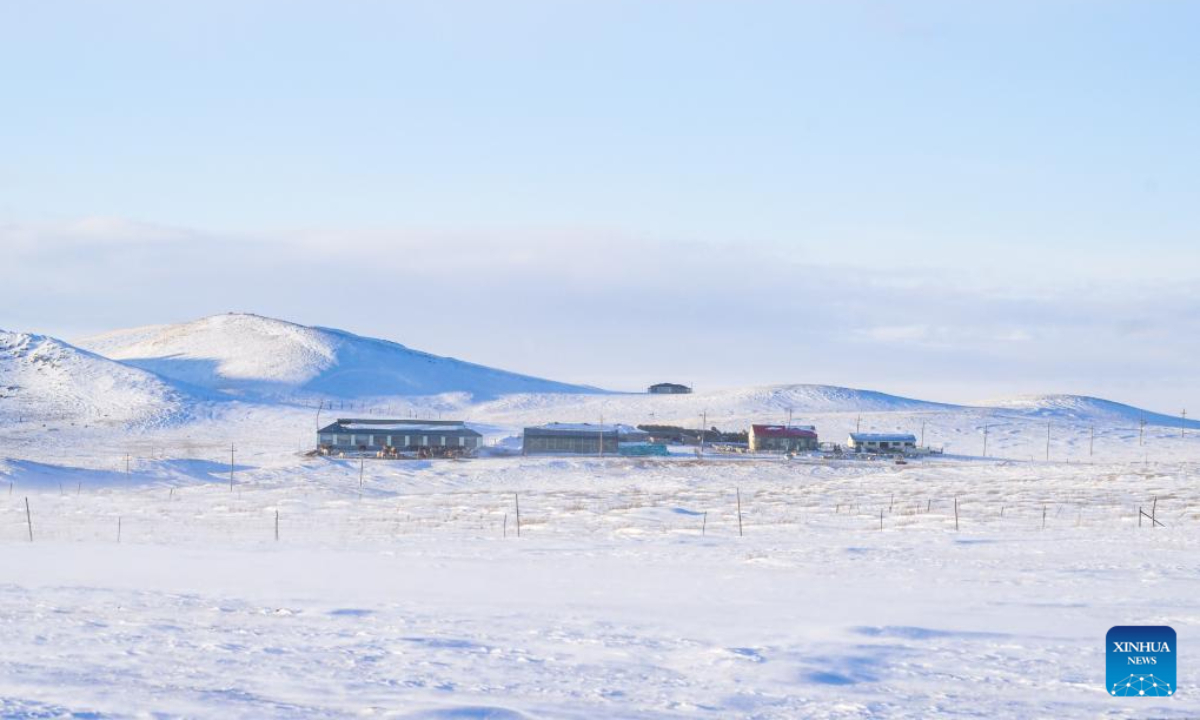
(1141, 661)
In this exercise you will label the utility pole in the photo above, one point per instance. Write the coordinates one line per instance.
(1183, 423)
(1141, 431)
(858, 424)
(704, 424)
(922, 433)
(789, 417)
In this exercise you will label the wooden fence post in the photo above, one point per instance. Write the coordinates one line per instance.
(739, 509)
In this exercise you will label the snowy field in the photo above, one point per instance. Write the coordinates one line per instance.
(155, 585)
(412, 595)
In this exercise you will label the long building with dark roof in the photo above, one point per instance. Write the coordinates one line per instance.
(350, 435)
(580, 438)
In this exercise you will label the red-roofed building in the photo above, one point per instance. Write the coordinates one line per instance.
(782, 438)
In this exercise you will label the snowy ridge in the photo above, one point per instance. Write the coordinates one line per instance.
(172, 369)
(258, 357)
(42, 379)
(1083, 408)
(724, 407)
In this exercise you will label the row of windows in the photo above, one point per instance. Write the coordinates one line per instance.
(398, 440)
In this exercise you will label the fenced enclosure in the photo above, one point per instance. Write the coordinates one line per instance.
(349, 503)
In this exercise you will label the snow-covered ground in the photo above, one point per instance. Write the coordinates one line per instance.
(155, 586)
(630, 591)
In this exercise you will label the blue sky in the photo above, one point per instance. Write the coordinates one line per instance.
(949, 199)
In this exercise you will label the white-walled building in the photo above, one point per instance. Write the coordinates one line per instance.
(882, 442)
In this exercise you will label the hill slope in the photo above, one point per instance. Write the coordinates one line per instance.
(726, 408)
(42, 378)
(260, 357)
(1084, 408)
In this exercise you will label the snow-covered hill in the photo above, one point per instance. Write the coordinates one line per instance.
(726, 408)
(258, 357)
(1083, 408)
(190, 372)
(45, 379)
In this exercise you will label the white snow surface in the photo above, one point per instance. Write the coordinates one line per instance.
(47, 380)
(259, 357)
(1085, 408)
(154, 585)
(632, 591)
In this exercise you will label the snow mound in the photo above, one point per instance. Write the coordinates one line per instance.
(1083, 408)
(259, 357)
(45, 379)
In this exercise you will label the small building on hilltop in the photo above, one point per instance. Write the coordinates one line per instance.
(428, 438)
(580, 439)
(669, 389)
(782, 438)
(882, 442)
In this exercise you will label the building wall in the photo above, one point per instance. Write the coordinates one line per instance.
(582, 444)
(781, 445)
(888, 446)
(352, 442)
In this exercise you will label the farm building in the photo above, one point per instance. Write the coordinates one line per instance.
(580, 438)
(882, 442)
(424, 437)
(669, 389)
(676, 435)
(782, 438)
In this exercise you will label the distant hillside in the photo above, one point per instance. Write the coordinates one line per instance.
(259, 357)
(725, 408)
(44, 379)
(1085, 409)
